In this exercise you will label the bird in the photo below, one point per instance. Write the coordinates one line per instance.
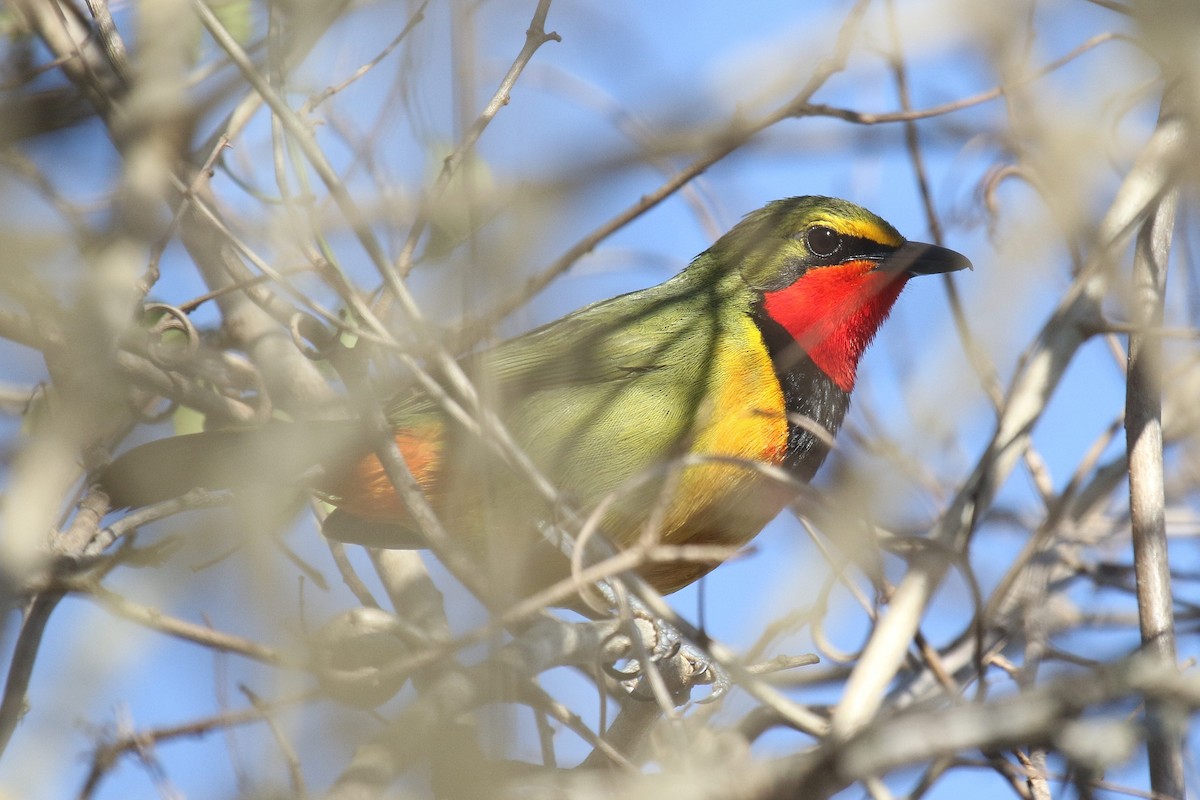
(746, 357)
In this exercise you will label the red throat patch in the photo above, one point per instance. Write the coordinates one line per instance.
(834, 313)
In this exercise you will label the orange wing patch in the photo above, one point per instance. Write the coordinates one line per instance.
(366, 491)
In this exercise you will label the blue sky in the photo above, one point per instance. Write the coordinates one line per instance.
(562, 169)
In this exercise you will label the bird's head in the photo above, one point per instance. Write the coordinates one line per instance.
(827, 272)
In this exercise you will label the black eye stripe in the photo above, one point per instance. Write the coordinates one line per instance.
(849, 248)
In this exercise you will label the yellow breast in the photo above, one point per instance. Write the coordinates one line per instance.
(742, 418)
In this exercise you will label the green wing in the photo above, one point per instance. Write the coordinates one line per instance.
(607, 391)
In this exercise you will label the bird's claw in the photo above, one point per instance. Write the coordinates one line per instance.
(688, 668)
(627, 674)
(706, 671)
(667, 642)
(681, 666)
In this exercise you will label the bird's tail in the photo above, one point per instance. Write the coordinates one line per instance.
(275, 455)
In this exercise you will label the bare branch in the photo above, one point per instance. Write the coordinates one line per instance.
(1147, 499)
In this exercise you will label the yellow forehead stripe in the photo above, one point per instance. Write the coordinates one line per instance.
(863, 228)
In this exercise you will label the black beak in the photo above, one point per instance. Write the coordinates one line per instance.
(915, 258)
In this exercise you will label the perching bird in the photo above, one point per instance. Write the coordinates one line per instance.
(740, 357)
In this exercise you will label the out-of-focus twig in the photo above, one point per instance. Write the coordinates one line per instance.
(535, 37)
(20, 667)
(1147, 497)
(729, 140)
(1041, 371)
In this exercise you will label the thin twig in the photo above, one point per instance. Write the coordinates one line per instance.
(329, 91)
(728, 141)
(535, 37)
(180, 629)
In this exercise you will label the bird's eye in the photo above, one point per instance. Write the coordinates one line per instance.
(822, 242)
